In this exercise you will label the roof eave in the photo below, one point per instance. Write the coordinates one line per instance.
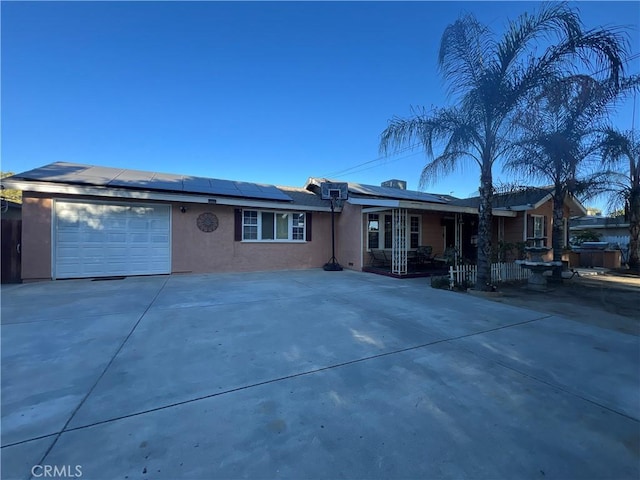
(139, 194)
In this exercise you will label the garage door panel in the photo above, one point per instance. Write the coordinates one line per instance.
(111, 239)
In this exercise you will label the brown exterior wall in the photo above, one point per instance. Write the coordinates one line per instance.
(36, 237)
(194, 251)
(349, 228)
(191, 249)
(432, 232)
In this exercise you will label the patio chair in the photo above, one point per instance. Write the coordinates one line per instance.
(448, 257)
(424, 254)
(379, 258)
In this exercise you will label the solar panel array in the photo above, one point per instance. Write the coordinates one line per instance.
(397, 193)
(63, 172)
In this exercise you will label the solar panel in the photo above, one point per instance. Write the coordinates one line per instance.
(389, 192)
(138, 179)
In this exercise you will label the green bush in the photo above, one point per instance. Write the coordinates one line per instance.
(440, 282)
(585, 236)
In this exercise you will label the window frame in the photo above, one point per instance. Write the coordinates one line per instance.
(381, 219)
(533, 230)
(291, 228)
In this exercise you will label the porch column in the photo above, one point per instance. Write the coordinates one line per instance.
(458, 238)
(399, 245)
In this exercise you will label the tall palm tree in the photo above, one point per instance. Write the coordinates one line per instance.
(561, 140)
(618, 147)
(489, 79)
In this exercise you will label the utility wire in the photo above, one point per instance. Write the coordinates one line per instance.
(356, 168)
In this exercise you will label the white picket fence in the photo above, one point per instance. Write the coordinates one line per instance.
(500, 272)
(622, 240)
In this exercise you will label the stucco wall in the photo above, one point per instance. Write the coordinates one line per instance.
(195, 251)
(432, 232)
(36, 237)
(191, 249)
(349, 228)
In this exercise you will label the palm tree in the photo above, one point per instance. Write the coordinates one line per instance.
(489, 79)
(616, 148)
(561, 140)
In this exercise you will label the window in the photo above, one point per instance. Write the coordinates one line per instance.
(377, 238)
(414, 234)
(388, 231)
(538, 226)
(273, 226)
(298, 226)
(250, 225)
(373, 229)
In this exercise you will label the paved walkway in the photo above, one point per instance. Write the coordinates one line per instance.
(308, 374)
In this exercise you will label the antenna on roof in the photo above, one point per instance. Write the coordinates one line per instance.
(337, 192)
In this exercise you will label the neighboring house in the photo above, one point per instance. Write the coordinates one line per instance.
(90, 221)
(610, 229)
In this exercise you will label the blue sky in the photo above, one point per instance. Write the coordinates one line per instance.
(253, 91)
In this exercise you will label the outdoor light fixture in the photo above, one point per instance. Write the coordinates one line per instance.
(183, 209)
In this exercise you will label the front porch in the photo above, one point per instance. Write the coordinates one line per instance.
(409, 243)
(418, 271)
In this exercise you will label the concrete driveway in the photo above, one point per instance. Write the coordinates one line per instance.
(307, 374)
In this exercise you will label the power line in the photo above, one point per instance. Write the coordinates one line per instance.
(356, 168)
(382, 157)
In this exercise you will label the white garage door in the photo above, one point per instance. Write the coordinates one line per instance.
(100, 239)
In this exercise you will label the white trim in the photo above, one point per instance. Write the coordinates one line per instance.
(535, 217)
(437, 207)
(53, 236)
(258, 226)
(374, 209)
(381, 234)
(373, 203)
(147, 195)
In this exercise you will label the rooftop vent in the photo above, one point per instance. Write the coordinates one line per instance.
(400, 184)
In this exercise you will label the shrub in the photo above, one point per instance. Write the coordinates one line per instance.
(440, 282)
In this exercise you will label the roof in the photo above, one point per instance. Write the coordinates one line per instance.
(528, 197)
(90, 175)
(597, 221)
(374, 191)
(302, 196)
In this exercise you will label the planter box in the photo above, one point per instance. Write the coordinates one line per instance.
(573, 258)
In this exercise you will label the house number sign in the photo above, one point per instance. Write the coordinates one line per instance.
(207, 222)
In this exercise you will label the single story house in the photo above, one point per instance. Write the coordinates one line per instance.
(10, 240)
(93, 221)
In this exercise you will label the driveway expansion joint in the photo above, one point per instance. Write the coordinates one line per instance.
(84, 399)
(556, 386)
(288, 377)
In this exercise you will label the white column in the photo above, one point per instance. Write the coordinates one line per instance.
(399, 245)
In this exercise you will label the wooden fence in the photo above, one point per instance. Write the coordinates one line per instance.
(500, 272)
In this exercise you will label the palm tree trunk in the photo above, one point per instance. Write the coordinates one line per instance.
(634, 229)
(483, 279)
(557, 233)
